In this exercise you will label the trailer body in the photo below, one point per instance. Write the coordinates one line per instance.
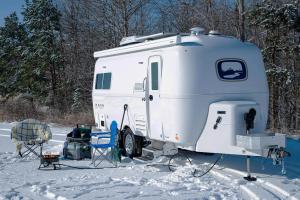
(190, 90)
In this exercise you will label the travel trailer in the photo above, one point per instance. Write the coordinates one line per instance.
(199, 92)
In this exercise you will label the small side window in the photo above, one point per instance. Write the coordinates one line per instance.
(106, 81)
(154, 75)
(103, 81)
(99, 79)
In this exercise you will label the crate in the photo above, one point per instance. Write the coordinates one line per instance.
(77, 150)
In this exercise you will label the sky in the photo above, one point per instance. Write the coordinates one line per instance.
(9, 6)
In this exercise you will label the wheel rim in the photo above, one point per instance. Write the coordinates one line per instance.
(128, 144)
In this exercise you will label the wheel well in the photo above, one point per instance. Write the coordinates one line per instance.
(136, 136)
(138, 140)
(126, 127)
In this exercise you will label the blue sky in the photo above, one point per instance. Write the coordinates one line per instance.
(9, 6)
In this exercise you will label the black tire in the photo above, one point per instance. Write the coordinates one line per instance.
(121, 142)
(129, 143)
(139, 145)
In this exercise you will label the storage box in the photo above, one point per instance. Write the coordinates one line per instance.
(260, 141)
(77, 150)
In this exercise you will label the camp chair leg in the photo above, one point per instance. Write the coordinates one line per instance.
(96, 157)
(31, 149)
(93, 157)
(101, 156)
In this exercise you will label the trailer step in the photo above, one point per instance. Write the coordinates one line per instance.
(157, 149)
(151, 149)
(144, 159)
(151, 152)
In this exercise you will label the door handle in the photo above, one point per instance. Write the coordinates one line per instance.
(144, 84)
(150, 97)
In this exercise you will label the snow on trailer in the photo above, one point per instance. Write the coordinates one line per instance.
(199, 92)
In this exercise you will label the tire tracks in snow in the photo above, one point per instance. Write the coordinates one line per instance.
(253, 190)
(260, 183)
(245, 187)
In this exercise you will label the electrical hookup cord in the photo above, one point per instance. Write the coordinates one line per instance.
(75, 167)
(203, 174)
(195, 173)
(176, 155)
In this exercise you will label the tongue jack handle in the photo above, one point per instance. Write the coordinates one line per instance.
(249, 119)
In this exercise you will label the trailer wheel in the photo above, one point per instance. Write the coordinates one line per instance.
(129, 144)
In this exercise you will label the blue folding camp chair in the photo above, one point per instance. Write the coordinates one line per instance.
(105, 151)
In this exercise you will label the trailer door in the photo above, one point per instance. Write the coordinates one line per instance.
(153, 99)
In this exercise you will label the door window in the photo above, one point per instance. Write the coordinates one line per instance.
(154, 75)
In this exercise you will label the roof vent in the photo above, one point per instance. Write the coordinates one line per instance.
(214, 32)
(197, 31)
(138, 39)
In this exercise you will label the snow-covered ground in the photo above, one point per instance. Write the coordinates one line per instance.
(20, 178)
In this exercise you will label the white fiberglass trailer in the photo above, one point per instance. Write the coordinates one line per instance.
(200, 92)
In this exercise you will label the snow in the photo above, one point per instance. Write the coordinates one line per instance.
(20, 178)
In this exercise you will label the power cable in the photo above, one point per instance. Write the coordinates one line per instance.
(75, 167)
(203, 174)
(189, 160)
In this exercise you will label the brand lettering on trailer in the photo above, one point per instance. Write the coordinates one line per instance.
(231, 70)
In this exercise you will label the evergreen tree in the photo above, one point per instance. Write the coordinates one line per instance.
(280, 25)
(13, 38)
(43, 56)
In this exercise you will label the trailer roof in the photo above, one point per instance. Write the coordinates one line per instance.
(146, 45)
(212, 39)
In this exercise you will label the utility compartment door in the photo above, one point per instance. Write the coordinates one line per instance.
(153, 98)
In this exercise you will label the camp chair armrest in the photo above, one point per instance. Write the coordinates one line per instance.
(95, 134)
(104, 136)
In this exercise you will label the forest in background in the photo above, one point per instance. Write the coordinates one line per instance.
(47, 64)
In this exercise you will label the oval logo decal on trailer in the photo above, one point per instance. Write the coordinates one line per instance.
(231, 70)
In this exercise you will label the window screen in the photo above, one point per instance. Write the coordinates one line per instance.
(103, 81)
(154, 75)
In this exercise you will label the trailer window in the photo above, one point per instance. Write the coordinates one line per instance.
(106, 81)
(154, 75)
(103, 81)
(231, 69)
(99, 79)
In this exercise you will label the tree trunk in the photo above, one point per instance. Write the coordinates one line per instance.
(241, 8)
